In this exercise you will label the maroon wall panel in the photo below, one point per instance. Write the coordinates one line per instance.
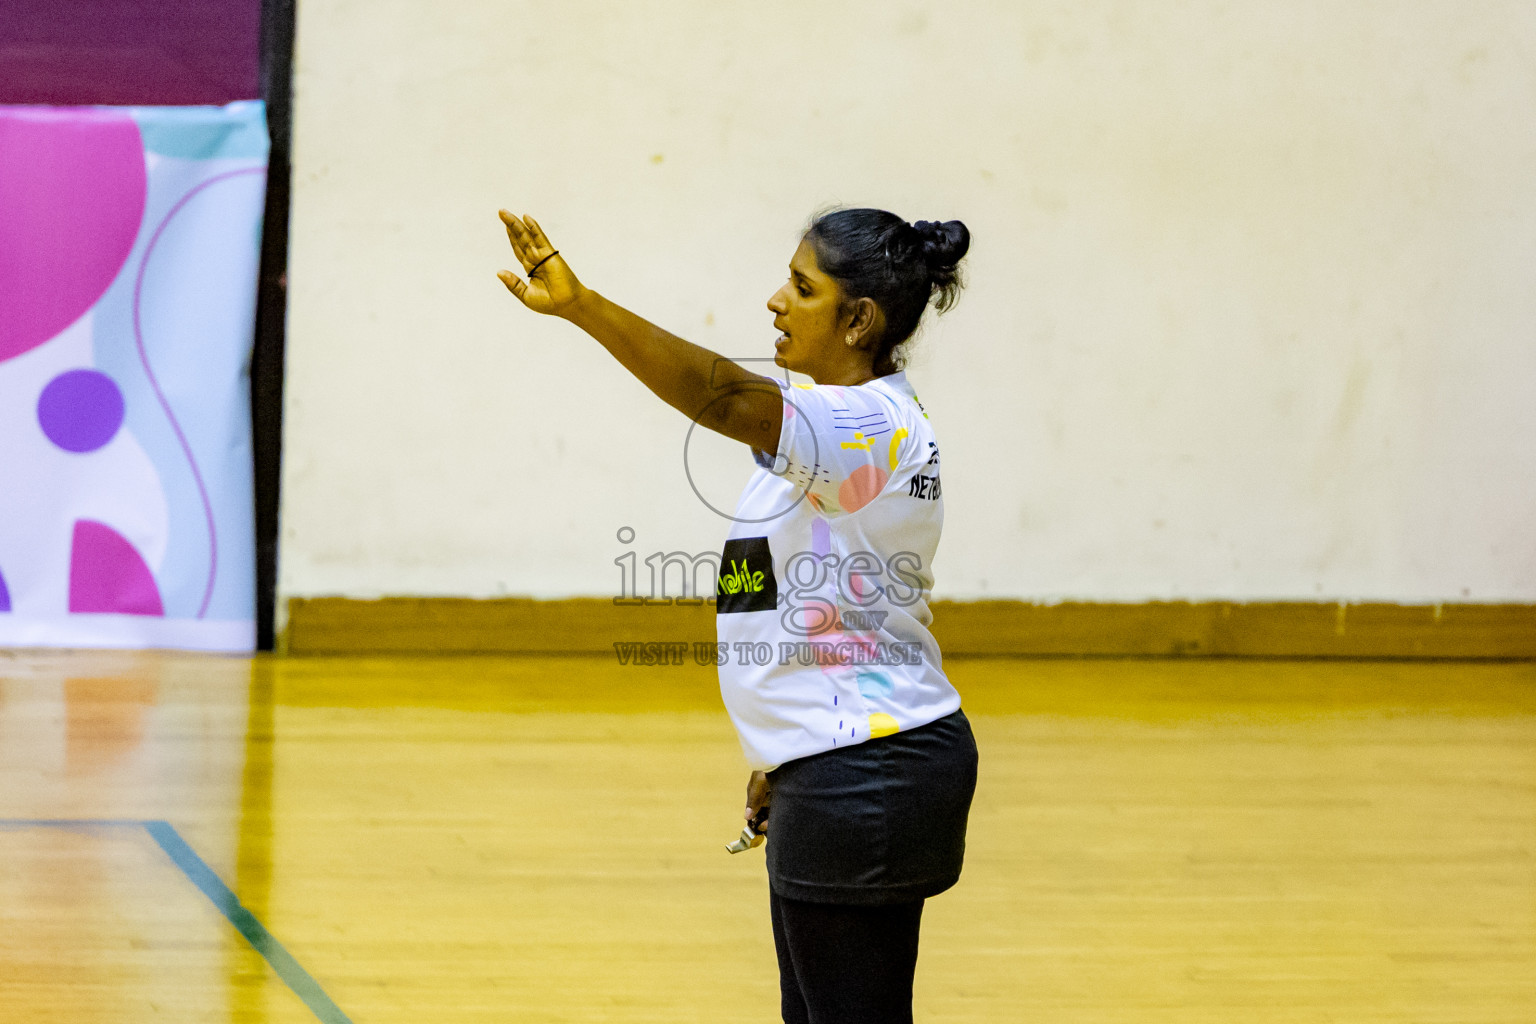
(130, 52)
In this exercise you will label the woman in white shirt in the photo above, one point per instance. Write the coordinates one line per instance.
(827, 667)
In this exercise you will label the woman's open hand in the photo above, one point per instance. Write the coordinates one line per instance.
(551, 287)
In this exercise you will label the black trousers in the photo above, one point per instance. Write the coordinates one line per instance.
(857, 839)
(844, 963)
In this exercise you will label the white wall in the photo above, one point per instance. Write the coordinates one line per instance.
(1251, 309)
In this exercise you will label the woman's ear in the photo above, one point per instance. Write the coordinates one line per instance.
(863, 321)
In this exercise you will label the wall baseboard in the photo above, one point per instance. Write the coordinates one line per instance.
(1273, 629)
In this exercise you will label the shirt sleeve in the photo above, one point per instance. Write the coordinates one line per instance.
(840, 444)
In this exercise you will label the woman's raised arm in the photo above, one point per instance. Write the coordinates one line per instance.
(703, 385)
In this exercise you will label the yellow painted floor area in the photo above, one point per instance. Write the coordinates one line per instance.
(504, 839)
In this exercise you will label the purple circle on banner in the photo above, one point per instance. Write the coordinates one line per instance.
(80, 410)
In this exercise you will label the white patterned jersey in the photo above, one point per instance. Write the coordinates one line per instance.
(822, 596)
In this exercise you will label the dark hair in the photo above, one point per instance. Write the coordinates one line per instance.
(876, 255)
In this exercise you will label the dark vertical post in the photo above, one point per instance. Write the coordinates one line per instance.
(277, 26)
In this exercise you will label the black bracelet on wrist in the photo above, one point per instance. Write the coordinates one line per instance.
(539, 264)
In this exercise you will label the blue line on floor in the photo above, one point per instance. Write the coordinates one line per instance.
(219, 894)
(70, 822)
(287, 968)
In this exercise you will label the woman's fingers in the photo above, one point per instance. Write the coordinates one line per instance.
(520, 237)
(511, 221)
(522, 249)
(514, 283)
(758, 794)
(537, 233)
(514, 226)
(526, 231)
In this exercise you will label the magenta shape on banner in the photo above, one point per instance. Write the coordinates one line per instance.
(72, 193)
(106, 574)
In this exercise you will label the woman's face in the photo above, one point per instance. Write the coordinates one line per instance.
(807, 310)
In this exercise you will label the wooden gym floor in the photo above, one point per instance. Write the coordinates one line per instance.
(542, 839)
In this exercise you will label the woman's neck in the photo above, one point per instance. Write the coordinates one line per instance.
(850, 377)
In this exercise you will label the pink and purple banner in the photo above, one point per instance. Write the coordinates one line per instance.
(129, 245)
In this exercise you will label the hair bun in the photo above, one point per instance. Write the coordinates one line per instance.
(944, 242)
(903, 267)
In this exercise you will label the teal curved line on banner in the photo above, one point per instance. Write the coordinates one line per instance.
(165, 405)
(197, 312)
(205, 133)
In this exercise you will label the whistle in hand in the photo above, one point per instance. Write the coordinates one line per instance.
(746, 841)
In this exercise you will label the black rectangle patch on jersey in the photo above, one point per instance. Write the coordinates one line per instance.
(746, 582)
